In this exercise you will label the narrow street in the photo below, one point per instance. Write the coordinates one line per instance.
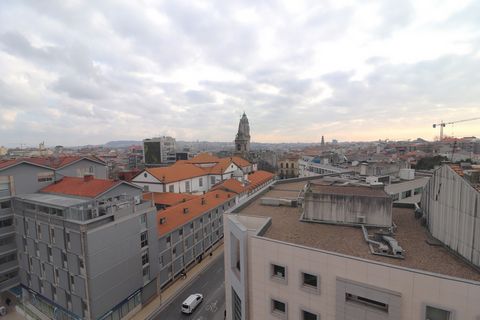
(210, 283)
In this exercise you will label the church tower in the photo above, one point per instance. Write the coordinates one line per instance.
(242, 140)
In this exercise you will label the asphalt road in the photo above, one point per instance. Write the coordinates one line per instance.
(210, 283)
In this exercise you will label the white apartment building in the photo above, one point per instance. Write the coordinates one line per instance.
(278, 266)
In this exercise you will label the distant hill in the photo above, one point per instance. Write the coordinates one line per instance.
(122, 143)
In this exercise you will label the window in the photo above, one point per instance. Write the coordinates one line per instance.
(45, 177)
(212, 180)
(171, 188)
(169, 239)
(279, 308)
(286, 165)
(306, 315)
(49, 252)
(367, 302)
(200, 182)
(64, 260)
(187, 186)
(432, 313)
(278, 272)
(145, 259)
(72, 282)
(281, 165)
(6, 223)
(180, 232)
(309, 281)
(143, 239)
(67, 235)
(417, 191)
(395, 196)
(5, 204)
(236, 306)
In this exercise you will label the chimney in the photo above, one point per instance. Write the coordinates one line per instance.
(185, 210)
(88, 177)
(203, 201)
(217, 195)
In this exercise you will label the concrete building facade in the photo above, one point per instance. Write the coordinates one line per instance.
(86, 257)
(29, 175)
(451, 206)
(159, 151)
(279, 267)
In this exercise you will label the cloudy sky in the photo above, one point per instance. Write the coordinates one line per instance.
(78, 72)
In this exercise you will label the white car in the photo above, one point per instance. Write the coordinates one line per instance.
(189, 305)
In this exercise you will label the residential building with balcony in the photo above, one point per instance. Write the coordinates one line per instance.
(28, 175)
(84, 248)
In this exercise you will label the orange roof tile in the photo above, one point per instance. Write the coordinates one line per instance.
(81, 187)
(168, 198)
(259, 177)
(175, 216)
(176, 172)
(204, 158)
(240, 162)
(220, 167)
(232, 185)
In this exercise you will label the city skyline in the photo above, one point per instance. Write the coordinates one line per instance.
(86, 73)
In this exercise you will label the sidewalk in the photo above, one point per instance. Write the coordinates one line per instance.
(169, 293)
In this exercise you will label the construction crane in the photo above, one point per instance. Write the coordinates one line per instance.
(443, 124)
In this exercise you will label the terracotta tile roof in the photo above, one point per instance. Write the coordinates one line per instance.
(258, 177)
(232, 185)
(175, 216)
(51, 162)
(176, 172)
(168, 198)
(220, 167)
(204, 158)
(81, 187)
(240, 162)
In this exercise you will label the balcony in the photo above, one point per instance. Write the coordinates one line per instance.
(4, 193)
(10, 283)
(7, 266)
(8, 247)
(7, 230)
(6, 212)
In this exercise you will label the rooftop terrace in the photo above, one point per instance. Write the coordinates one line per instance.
(286, 226)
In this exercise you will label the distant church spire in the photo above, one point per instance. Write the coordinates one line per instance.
(242, 139)
(323, 142)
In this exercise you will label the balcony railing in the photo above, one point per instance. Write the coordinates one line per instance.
(10, 283)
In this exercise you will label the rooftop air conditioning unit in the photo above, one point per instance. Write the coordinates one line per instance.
(361, 219)
(94, 213)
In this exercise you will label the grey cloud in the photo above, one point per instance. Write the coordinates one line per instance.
(199, 97)
(79, 88)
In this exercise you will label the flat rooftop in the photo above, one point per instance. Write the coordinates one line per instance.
(53, 200)
(286, 226)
